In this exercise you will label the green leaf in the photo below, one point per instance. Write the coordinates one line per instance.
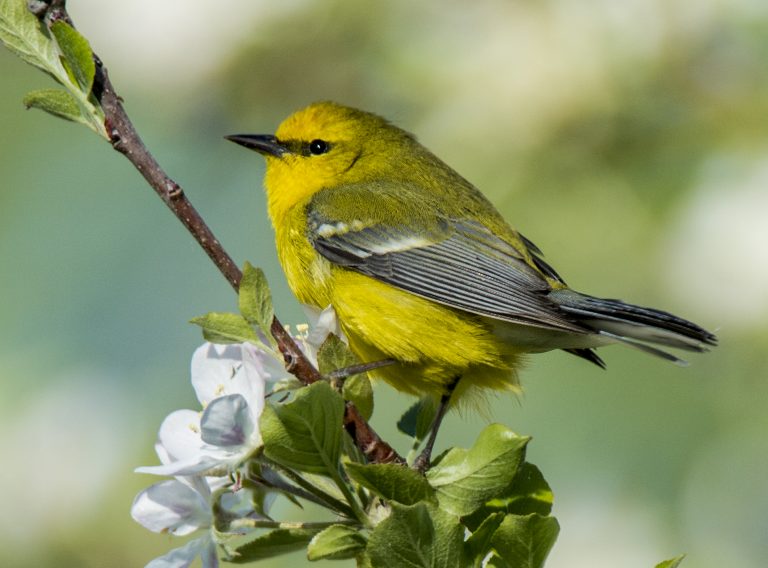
(70, 62)
(417, 420)
(22, 33)
(305, 434)
(525, 541)
(364, 561)
(78, 57)
(528, 493)
(221, 327)
(672, 562)
(289, 383)
(335, 543)
(407, 422)
(479, 542)
(57, 102)
(358, 390)
(255, 299)
(416, 536)
(392, 482)
(466, 479)
(334, 354)
(274, 543)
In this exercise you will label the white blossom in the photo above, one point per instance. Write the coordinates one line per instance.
(180, 507)
(184, 505)
(203, 448)
(321, 324)
(230, 383)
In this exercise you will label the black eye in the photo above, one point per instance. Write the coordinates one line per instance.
(317, 147)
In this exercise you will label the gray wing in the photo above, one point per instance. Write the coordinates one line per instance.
(456, 263)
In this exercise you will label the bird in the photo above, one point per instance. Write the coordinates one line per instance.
(420, 267)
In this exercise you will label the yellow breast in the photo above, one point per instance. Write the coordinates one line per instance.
(308, 274)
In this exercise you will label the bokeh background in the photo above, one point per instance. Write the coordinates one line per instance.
(628, 139)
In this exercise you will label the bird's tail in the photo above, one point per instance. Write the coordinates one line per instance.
(636, 326)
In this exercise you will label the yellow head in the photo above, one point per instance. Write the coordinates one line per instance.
(326, 145)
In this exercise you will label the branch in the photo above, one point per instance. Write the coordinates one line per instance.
(126, 140)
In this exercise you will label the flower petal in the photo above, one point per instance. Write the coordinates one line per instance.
(322, 324)
(251, 375)
(183, 556)
(226, 422)
(181, 448)
(256, 376)
(179, 435)
(171, 506)
(270, 368)
(208, 554)
(194, 466)
(213, 367)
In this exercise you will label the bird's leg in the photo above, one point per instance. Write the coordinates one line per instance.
(421, 464)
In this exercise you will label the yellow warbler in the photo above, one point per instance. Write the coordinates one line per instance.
(420, 267)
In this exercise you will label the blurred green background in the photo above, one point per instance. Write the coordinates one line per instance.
(629, 140)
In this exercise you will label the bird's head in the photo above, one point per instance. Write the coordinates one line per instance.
(326, 145)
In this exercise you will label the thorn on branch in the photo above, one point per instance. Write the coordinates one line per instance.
(290, 362)
(174, 190)
(114, 134)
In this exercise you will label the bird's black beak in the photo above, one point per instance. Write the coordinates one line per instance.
(262, 143)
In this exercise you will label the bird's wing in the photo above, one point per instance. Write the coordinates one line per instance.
(456, 262)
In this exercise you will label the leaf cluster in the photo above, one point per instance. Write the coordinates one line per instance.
(476, 504)
(255, 317)
(62, 52)
(480, 506)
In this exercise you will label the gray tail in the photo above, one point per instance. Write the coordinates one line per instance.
(636, 326)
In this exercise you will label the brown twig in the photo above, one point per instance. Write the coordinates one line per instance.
(295, 361)
(359, 368)
(126, 140)
(373, 447)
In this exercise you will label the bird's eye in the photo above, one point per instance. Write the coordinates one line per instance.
(317, 147)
